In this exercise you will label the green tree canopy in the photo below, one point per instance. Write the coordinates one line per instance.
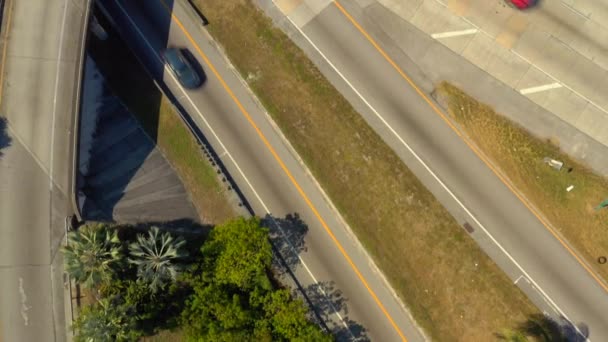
(238, 252)
(234, 300)
(287, 318)
(107, 320)
(216, 314)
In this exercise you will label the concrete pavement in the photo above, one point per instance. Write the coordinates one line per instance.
(555, 54)
(354, 301)
(39, 87)
(505, 228)
(427, 52)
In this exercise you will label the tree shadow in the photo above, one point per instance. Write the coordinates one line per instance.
(287, 237)
(184, 226)
(326, 301)
(544, 328)
(192, 231)
(5, 139)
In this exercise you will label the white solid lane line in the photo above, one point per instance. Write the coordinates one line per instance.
(532, 90)
(454, 33)
(185, 94)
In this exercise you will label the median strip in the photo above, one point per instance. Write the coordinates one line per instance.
(452, 288)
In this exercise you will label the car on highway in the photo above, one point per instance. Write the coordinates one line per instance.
(522, 4)
(181, 67)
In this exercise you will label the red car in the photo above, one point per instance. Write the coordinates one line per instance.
(523, 4)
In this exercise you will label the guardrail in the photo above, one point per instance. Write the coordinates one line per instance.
(206, 148)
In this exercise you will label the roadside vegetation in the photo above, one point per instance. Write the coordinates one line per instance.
(146, 283)
(454, 291)
(539, 328)
(215, 288)
(520, 156)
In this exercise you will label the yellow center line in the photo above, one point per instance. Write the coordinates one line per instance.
(286, 171)
(467, 141)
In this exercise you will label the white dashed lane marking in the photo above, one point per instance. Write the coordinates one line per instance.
(454, 33)
(540, 88)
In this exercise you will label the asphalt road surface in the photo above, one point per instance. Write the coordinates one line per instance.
(508, 230)
(330, 265)
(40, 76)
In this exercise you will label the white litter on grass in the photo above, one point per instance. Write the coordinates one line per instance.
(92, 100)
(556, 164)
(570, 188)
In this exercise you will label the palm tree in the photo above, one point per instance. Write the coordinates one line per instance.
(154, 256)
(90, 254)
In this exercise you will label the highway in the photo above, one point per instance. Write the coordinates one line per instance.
(39, 87)
(392, 94)
(352, 297)
(381, 89)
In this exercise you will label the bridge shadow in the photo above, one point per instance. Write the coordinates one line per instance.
(125, 73)
(5, 139)
(123, 176)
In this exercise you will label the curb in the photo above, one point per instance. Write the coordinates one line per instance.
(77, 108)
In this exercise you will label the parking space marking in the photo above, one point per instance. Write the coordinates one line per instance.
(453, 33)
(545, 87)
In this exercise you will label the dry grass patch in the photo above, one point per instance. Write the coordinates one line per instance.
(452, 288)
(199, 177)
(520, 156)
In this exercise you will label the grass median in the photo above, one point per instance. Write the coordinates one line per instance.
(454, 291)
(520, 156)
